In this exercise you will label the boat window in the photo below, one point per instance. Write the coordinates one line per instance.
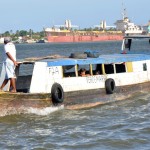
(109, 68)
(69, 71)
(86, 67)
(120, 68)
(97, 69)
(144, 67)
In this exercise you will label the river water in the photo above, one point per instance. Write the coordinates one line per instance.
(119, 125)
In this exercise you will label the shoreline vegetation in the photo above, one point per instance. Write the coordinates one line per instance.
(22, 36)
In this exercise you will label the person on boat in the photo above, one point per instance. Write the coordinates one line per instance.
(82, 72)
(97, 73)
(9, 64)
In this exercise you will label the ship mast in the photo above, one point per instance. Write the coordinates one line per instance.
(124, 12)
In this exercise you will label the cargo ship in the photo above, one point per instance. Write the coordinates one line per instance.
(81, 36)
(102, 32)
(66, 34)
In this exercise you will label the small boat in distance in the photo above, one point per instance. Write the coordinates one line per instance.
(41, 41)
(56, 80)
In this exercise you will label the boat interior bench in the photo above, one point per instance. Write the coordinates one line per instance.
(23, 83)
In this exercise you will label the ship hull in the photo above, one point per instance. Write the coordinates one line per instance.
(55, 39)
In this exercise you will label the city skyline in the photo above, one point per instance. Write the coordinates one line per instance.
(36, 14)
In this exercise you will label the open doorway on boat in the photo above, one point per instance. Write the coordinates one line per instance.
(24, 76)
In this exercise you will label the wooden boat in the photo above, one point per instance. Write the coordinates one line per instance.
(53, 80)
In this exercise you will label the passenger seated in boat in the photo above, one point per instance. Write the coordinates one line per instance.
(82, 72)
(97, 73)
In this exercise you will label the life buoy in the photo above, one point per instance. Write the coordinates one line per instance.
(110, 86)
(57, 93)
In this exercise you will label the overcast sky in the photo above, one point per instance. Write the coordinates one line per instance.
(36, 14)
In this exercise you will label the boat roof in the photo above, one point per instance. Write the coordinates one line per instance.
(136, 37)
(102, 59)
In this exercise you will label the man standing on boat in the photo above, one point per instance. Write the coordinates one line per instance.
(9, 64)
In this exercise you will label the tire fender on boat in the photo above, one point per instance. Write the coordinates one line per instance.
(110, 86)
(78, 55)
(57, 93)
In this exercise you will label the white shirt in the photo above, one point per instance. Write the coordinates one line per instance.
(10, 47)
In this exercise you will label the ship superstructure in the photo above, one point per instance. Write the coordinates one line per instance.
(126, 26)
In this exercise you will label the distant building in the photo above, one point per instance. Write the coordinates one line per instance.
(146, 28)
(149, 27)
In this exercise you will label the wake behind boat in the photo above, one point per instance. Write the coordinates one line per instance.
(56, 80)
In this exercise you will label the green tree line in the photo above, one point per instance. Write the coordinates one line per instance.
(24, 33)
